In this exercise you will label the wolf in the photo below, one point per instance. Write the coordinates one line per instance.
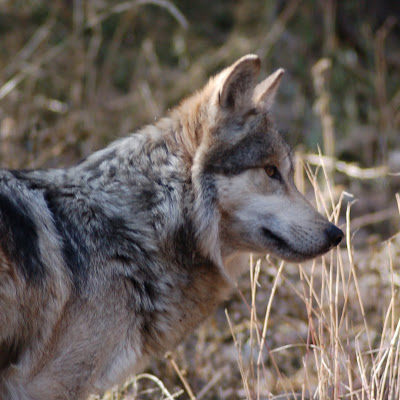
(111, 262)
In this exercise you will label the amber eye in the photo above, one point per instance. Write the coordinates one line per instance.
(272, 171)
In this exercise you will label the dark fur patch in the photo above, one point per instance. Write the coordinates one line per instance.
(9, 354)
(123, 243)
(275, 238)
(250, 152)
(19, 238)
(142, 295)
(75, 253)
(209, 190)
(184, 246)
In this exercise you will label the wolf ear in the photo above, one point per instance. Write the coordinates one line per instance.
(264, 93)
(239, 81)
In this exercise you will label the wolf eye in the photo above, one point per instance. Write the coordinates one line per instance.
(272, 171)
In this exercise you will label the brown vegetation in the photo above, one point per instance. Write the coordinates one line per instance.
(75, 75)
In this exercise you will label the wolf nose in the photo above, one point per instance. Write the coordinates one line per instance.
(335, 235)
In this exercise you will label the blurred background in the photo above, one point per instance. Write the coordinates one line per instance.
(77, 74)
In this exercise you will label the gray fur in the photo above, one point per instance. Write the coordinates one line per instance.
(113, 261)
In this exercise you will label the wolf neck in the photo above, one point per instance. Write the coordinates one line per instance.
(191, 120)
(188, 126)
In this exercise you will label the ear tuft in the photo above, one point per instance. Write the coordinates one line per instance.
(264, 93)
(238, 82)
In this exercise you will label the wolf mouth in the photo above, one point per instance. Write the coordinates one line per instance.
(286, 251)
(295, 254)
(277, 239)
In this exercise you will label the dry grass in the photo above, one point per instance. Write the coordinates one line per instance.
(75, 75)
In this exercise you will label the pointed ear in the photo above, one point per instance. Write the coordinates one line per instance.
(238, 82)
(264, 93)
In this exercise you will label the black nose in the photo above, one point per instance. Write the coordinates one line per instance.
(335, 235)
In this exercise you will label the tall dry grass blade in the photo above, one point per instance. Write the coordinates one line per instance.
(353, 270)
(389, 353)
(319, 198)
(268, 311)
(337, 342)
(362, 370)
(239, 357)
(184, 381)
(254, 274)
(327, 182)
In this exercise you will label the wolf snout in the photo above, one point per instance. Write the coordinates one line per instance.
(334, 234)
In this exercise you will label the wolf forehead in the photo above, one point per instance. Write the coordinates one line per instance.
(254, 143)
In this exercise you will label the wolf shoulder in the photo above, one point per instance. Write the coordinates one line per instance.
(136, 183)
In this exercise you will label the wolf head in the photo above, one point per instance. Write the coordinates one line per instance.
(242, 171)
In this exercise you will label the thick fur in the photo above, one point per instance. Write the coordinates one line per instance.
(113, 261)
